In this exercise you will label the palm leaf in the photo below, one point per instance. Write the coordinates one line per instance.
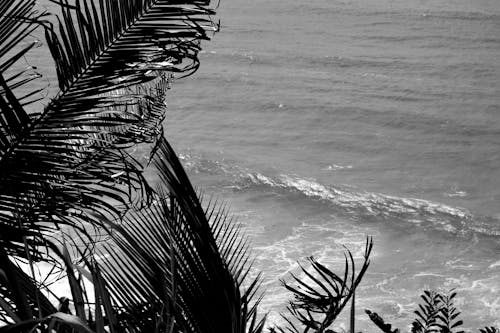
(210, 256)
(318, 302)
(70, 161)
(50, 321)
(169, 260)
(21, 296)
(68, 165)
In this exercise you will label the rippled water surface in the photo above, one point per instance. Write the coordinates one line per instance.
(322, 122)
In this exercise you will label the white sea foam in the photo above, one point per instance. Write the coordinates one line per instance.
(457, 193)
(380, 204)
(334, 167)
(412, 210)
(324, 241)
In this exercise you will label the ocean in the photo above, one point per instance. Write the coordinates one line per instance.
(322, 122)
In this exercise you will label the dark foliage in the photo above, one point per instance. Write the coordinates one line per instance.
(318, 302)
(427, 313)
(74, 198)
(448, 314)
(379, 321)
(436, 313)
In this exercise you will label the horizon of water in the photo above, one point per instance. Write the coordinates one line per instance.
(323, 122)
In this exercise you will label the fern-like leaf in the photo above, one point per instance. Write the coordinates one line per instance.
(427, 313)
(489, 329)
(448, 316)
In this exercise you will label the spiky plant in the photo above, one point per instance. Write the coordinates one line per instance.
(448, 317)
(74, 198)
(436, 313)
(318, 302)
(427, 313)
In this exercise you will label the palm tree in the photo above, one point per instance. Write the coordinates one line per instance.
(137, 257)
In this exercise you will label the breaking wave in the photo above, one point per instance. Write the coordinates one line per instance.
(362, 205)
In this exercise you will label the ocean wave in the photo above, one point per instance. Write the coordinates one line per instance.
(243, 57)
(362, 205)
(352, 62)
(461, 15)
(416, 211)
(464, 15)
(309, 61)
(388, 15)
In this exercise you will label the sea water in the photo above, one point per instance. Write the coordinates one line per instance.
(322, 122)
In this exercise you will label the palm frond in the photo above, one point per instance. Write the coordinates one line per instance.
(319, 301)
(67, 171)
(70, 160)
(234, 249)
(142, 35)
(67, 167)
(49, 323)
(211, 257)
(21, 296)
(171, 263)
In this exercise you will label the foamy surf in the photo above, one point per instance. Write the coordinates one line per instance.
(361, 204)
(408, 255)
(392, 209)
